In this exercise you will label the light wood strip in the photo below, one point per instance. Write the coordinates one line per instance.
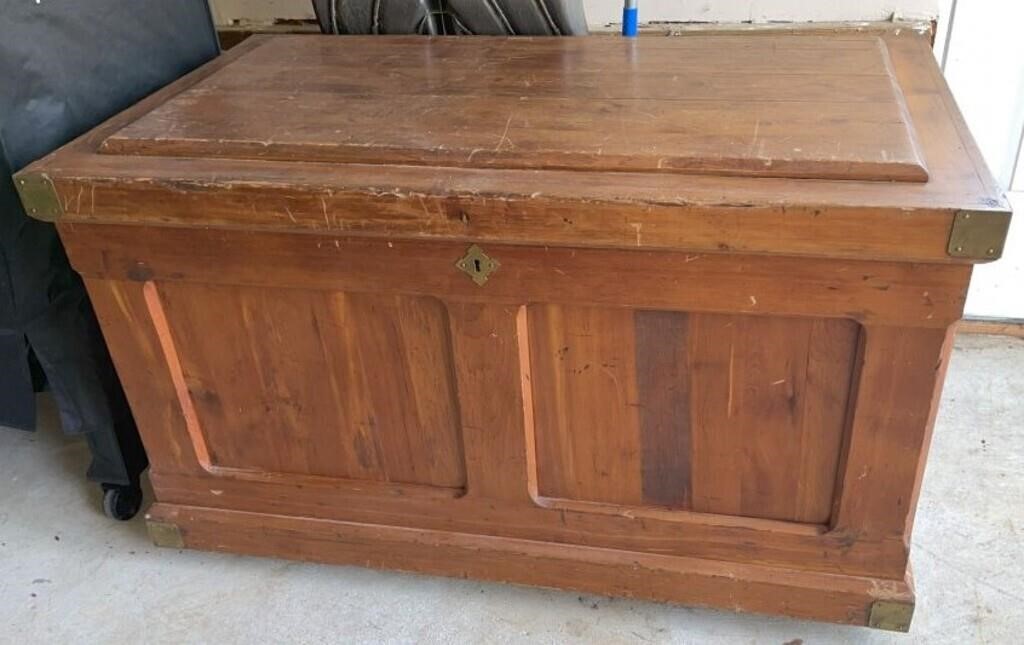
(173, 361)
(993, 326)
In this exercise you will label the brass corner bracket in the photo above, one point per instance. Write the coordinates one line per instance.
(165, 534)
(978, 235)
(38, 196)
(891, 615)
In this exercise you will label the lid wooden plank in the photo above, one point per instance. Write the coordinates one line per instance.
(694, 84)
(855, 54)
(793, 107)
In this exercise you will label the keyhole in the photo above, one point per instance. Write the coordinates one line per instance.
(477, 265)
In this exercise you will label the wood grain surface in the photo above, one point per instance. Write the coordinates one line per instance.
(705, 369)
(454, 114)
(670, 208)
(735, 415)
(706, 583)
(351, 386)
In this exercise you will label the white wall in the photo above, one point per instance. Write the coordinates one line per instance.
(605, 11)
(249, 12)
(600, 12)
(997, 288)
(985, 70)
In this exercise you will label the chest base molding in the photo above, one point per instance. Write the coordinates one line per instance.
(853, 600)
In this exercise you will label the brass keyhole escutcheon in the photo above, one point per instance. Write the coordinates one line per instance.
(477, 265)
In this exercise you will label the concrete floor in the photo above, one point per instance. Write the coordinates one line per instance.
(69, 575)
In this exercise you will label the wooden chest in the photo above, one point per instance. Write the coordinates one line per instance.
(664, 318)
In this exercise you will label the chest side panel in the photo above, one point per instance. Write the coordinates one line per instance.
(632, 400)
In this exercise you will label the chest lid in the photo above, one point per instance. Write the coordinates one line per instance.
(847, 145)
(790, 107)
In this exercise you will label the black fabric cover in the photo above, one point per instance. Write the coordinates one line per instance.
(458, 17)
(66, 66)
(17, 407)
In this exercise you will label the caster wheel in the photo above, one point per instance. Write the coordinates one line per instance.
(121, 502)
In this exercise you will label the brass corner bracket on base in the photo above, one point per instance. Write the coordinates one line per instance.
(165, 534)
(38, 196)
(978, 235)
(891, 615)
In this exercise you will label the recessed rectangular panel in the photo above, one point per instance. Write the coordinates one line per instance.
(310, 382)
(727, 414)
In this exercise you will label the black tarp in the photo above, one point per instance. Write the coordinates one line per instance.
(455, 17)
(65, 66)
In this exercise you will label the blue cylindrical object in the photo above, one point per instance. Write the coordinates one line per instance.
(629, 19)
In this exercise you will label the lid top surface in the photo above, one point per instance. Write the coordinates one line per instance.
(807, 107)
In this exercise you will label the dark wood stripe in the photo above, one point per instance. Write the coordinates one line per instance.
(663, 392)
